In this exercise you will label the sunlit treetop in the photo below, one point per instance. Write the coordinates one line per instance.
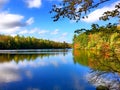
(77, 9)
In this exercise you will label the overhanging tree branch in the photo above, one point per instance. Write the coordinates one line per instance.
(77, 9)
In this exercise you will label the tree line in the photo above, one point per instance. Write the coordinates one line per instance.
(21, 42)
(98, 37)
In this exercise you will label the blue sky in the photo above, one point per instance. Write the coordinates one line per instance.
(32, 18)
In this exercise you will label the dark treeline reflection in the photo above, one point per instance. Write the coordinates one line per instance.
(105, 68)
(33, 56)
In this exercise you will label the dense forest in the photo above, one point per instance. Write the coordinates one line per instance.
(21, 42)
(98, 37)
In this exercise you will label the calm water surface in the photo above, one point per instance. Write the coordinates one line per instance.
(58, 70)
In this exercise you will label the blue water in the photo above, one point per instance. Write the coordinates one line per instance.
(43, 71)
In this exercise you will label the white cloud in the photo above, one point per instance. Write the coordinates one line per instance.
(55, 32)
(34, 31)
(11, 23)
(30, 21)
(23, 32)
(94, 16)
(39, 31)
(33, 3)
(64, 34)
(10, 20)
(54, 35)
(43, 31)
(10, 31)
(61, 38)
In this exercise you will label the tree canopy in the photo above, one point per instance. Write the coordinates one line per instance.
(103, 38)
(21, 42)
(77, 9)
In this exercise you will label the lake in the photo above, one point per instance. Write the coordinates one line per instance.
(59, 69)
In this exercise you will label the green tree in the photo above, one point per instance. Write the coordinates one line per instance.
(21, 42)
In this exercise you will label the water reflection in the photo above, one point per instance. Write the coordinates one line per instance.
(105, 67)
(85, 70)
(8, 72)
(11, 64)
(43, 71)
(18, 55)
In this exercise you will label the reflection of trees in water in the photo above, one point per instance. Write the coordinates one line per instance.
(106, 62)
(102, 61)
(80, 57)
(29, 57)
(105, 68)
(109, 80)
